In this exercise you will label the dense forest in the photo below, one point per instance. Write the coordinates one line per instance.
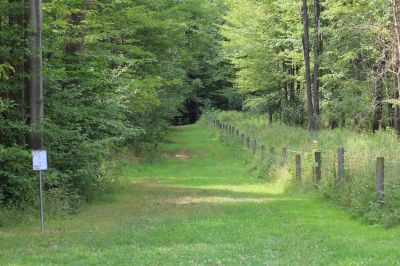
(88, 79)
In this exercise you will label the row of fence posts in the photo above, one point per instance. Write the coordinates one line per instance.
(252, 144)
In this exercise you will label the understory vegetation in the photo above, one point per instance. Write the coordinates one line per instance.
(356, 190)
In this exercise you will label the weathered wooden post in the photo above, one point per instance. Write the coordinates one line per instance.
(233, 131)
(248, 142)
(284, 156)
(380, 179)
(254, 146)
(317, 169)
(262, 152)
(242, 136)
(237, 133)
(340, 163)
(298, 168)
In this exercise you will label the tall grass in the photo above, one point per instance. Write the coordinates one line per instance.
(355, 191)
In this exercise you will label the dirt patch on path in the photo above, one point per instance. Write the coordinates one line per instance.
(180, 155)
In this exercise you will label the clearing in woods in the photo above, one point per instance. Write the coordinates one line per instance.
(198, 206)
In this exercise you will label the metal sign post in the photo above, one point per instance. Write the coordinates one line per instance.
(39, 163)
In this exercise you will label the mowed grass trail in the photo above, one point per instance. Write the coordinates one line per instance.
(198, 206)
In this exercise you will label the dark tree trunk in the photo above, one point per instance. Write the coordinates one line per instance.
(292, 84)
(75, 44)
(317, 10)
(36, 78)
(76, 32)
(397, 64)
(270, 115)
(378, 104)
(306, 52)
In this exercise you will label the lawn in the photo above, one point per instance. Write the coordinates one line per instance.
(197, 205)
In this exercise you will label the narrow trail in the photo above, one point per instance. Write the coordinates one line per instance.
(198, 206)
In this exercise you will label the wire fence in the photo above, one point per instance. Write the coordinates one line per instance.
(324, 168)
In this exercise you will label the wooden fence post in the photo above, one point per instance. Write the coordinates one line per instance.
(248, 143)
(340, 163)
(254, 146)
(380, 179)
(242, 136)
(233, 131)
(262, 151)
(284, 156)
(298, 168)
(317, 169)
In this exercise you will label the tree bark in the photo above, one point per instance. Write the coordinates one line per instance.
(397, 64)
(76, 32)
(306, 52)
(36, 77)
(378, 104)
(317, 10)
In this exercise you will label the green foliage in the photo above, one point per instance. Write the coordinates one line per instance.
(115, 74)
(263, 41)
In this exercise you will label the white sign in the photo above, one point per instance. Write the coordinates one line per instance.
(39, 160)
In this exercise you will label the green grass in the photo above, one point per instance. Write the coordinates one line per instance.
(198, 206)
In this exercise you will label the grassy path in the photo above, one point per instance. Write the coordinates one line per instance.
(198, 206)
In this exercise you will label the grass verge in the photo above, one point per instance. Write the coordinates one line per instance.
(197, 205)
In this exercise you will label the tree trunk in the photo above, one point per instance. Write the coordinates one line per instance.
(378, 104)
(397, 64)
(270, 115)
(317, 10)
(76, 34)
(306, 52)
(36, 77)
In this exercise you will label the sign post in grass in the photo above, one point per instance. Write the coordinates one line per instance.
(39, 163)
